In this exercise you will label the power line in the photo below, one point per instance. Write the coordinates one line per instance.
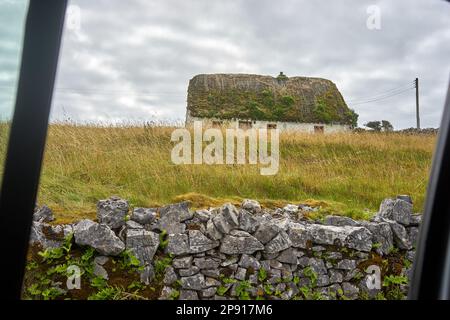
(384, 93)
(395, 92)
(383, 97)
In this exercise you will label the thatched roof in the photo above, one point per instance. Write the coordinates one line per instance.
(257, 97)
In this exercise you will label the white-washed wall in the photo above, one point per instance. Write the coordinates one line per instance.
(282, 126)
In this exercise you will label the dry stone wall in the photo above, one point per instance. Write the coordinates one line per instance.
(249, 252)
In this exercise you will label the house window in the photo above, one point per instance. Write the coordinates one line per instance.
(318, 129)
(271, 126)
(245, 124)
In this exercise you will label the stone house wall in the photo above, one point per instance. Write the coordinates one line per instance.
(282, 126)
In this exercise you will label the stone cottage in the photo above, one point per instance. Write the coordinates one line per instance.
(245, 101)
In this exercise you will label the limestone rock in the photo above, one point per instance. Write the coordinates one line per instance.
(350, 291)
(336, 276)
(182, 263)
(211, 282)
(298, 233)
(167, 293)
(101, 260)
(181, 209)
(416, 220)
(189, 271)
(247, 222)
(248, 261)
(290, 209)
(413, 234)
(207, 263)
(410, 255)
(209, 292)
(130, 224)
(340, 221)
(212, 231)
(170, 222)
(188, 295)
(98, 236)
(178, 244)
(406, 198)
(240, 274)
(290, 291)
(251, 205)
(198, 242)
(100, 271)
(267, 231)
(317, 265)
(195, 282)
(279, 243)
(112, 212)
(331, 292)
(229, 261)
(334, 255)
(227, 219)
(143, 215)
(169, 276)
(240, 244)
(323, 280)
(346, 264)
(43, 214)
(274, 264)
(289, 255)
(202, 215)
(397, 210)
(358, 238)
(401, 238)
(303, 261)
(49, 236)
(352, 274)
(143, 244)
(212, 273)
(381, 235)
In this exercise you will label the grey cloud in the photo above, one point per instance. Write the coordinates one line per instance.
(132, 60)
(12, 15)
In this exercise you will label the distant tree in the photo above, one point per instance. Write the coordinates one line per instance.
(382, 125)
(386, 126)
(375, 125)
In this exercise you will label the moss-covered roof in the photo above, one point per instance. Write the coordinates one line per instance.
(257, 97)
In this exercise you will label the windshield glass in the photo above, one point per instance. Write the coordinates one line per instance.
(289, 141)
(12, 17)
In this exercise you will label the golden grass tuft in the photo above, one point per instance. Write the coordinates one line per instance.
(346, 173)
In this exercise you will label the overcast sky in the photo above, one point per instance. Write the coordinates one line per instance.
(132, 60)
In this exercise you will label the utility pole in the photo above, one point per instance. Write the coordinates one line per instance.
(416, 82)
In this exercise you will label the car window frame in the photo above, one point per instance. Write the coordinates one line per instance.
(27, 136)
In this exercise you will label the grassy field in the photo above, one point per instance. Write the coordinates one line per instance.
(345, 173)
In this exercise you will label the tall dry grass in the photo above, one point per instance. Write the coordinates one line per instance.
(350, 172)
